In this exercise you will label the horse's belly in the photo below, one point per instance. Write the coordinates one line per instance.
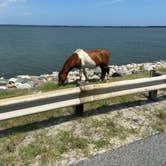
(88, 64)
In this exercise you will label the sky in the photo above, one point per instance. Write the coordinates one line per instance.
(83, 12)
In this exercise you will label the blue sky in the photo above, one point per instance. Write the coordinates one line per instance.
(83, 12)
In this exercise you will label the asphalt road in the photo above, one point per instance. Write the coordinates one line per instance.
(147, 152)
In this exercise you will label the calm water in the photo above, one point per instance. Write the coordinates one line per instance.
(37, 50)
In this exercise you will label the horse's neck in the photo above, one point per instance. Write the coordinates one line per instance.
(67, 68)
(71, 63)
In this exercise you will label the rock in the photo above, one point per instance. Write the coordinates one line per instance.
(11, 85)
(3, 87)
(97, 71)
(12, 80)
(111, 71)
(76, 73)
(147, 67)
(31, 83)
(24, 76)
(27, 81)
(55, 74)
(95, 77)
(90, 72)
(116, 74)
(21, 82)
(42, 78)
(50, 78)
(135, 71)
(23, 86)
(69, 80)
(3, 82)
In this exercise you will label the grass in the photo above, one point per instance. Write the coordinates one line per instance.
(163, 69)
(47, 149)
(14, 93)
(132, 76)
(30, 119)
(160, 123)
(111, 129)
(60, 112)
(101, 143)
(49, 86)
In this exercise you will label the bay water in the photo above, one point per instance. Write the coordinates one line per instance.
(42, 49)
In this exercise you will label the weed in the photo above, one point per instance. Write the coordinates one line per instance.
(160, 124)
(101, 143)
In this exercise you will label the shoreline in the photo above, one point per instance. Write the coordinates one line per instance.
(32, 81)
(86, 26)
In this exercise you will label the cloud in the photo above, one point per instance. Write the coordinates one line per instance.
(117, 1)
(5, 3)
(27, 13)
(110, 2)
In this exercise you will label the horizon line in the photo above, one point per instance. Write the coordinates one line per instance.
(82, 25)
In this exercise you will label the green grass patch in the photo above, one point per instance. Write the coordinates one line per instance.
(132, 76)
(48, 86)
(163, 69)
(14, 93)
(30, 119)
(116, 130)
(111, 129)
(101, 143)
(47, 148)
(51, 114)
(8, 149)
(160, 124)
(51, 148)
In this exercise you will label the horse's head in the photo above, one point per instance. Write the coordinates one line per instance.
(62, 77)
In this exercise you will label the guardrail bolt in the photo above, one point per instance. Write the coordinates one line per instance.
(79, 109)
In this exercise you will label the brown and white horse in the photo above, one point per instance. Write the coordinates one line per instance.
(82, 59)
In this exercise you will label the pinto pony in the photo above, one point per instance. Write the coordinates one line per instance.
(82, 59)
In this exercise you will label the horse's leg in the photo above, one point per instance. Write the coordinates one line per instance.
(103, 72)
(84, 72)
(83, 75)
(107, 71)
(80, 73)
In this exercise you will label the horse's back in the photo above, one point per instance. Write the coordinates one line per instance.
(101, 56)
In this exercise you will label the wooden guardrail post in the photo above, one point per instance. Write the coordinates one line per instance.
(79, 109)
(153, 94)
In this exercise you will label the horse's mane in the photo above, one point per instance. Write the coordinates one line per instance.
(70, 62)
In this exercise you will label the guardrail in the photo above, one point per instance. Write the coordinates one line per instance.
(77, 96)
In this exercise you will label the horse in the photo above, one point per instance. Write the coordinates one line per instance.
(82, 59)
